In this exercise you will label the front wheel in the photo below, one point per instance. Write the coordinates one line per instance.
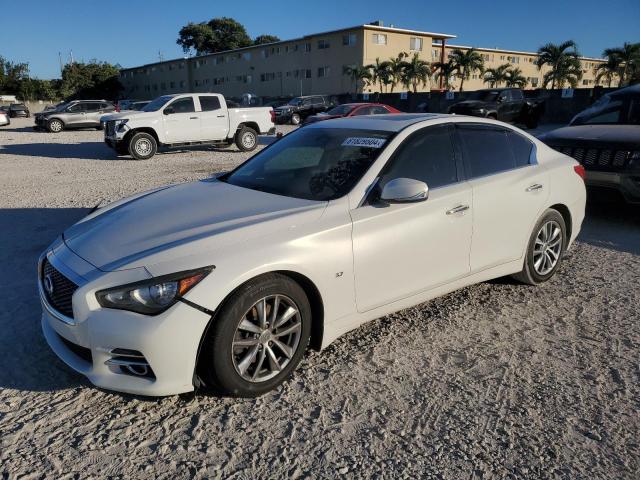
(546, 247)
(295, 119)
(258, 337)
(54, 125)
(246, 139)
(142, 146)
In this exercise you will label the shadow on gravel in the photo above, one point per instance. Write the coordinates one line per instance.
(611, 223)
(81, 151)
(28, 363)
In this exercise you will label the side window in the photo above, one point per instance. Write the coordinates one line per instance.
(504, 96)
(183, 105)
(427, 155)
(92, 107)
(209, 103)
(521, 148)
(611, 114)
(306, 102)
(378, 111)
(485, 151)
(516, 95)
(362, 111)
(75, 108)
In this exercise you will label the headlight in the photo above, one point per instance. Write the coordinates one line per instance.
(153, 296)
(121, 123)
(481, 111)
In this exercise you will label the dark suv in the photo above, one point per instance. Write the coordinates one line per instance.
(505, 104)
(74, 114)
(300, 108)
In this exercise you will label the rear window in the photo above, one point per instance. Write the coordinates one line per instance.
(485, 151)
(209, 103)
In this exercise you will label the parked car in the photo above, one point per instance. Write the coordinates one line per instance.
(226, 281)
(351, 110)
(184, 120)
(122, 105)
(605, 138)
(75, 114)
(299, 108)
(137, 106)
(505, 104)
(19, 110)
(4, 118)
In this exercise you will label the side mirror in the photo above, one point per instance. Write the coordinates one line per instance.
(168, 111)
(404, 190)
(500, 99)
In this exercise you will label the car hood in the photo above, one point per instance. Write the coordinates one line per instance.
(182, 220)
(599, 133)
(127, 114)
(470, 104)
(320, 117)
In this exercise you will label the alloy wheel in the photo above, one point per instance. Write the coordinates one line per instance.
(547, 247)
(266, 338)
(143, 147)
(248, 140)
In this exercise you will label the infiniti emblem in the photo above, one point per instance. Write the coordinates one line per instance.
(48, 284)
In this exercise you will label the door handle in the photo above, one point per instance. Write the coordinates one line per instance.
(220, 116)
(534, 188)
(458, 209)
(193, 118)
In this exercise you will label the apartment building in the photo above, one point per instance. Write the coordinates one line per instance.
(313, 64)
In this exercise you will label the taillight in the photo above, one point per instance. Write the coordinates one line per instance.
(117, 108)
(579, 169)
(273, 116)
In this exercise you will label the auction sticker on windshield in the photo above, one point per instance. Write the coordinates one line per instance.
(364, 142)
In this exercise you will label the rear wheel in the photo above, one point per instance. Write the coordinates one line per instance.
(54, 125)
(142, 146)
(258, 337)
(246, 139)
(545, 250)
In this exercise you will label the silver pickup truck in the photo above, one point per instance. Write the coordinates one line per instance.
(183, 120)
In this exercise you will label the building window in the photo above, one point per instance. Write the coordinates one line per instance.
(182, 83)
(435, 54)
(172, 84)
(181, 65)
(379, 38)
(349, 39)
(307, 73)
(307, 47)
(323, 71)
(415, 44)
(323, 44)
(266, 77)
(265, 53)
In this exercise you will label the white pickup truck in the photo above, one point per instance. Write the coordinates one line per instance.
(186, 119)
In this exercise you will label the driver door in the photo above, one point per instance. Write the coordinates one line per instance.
(401, 249)
(75, 115)
(181, 121)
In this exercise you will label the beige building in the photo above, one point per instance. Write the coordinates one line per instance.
(314, 64)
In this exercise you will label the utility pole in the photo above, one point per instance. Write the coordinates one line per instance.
(71, 56)
(60, 60)
(160, 56)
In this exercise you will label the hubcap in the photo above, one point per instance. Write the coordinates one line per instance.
(143, 147)
(266, 338)
(56, 126)
(248, 140)
(547, 247)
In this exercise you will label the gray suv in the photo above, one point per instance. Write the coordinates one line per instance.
(74, 114)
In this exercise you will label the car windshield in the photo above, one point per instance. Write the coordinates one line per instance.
(341, 110)
(485, 95)
(312, 163)
(610, 110)
(295, 102)
(138, 105)
(157, 104)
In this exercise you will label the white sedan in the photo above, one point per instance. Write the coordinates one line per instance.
(227, 281)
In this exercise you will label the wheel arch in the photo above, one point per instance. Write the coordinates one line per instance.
(563, 210)
(253, 125)
(148, 130)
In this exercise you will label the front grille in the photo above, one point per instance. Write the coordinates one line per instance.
(82, 352)
(58, 289)
(597, 158)
(110, 128)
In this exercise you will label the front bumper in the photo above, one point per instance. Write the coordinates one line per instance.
(90, 343)
(628, 184)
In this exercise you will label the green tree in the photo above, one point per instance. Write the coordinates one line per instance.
(608, 70)
(628, 57)
(515, 78)
(466, 63)
(445, 71)
(262, 39)
(358, 74)
(563, 61)
(380, 73)
(497, 76)
(12, 75)
(396, 69)
(216, 35)
(90, 80)
(416, 72)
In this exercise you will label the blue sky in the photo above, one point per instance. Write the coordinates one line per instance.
(132, 32)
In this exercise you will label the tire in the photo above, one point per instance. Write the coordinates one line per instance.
(492, 116)
(295, 119)
(55, 125)
(246, 139)
(142, 146)
(221, 361)
(533, 272)
(531, 123)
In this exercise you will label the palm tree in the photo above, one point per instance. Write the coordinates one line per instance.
(396, 69)
(608, 70)
(445, 71)
(563, 61)
(496, 76)
(358, 73)
(629, 57)
(515, 78)
(380, 73)
(416, 71)
(466, 63)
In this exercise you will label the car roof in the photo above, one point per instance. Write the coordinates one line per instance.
(385, 122)
(362, 104)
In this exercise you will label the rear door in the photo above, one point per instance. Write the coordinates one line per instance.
(509, 191)
(93, 112)
(181, 121)
(75, 115)
(214, 123)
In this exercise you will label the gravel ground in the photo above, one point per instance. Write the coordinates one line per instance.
(498, 380)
